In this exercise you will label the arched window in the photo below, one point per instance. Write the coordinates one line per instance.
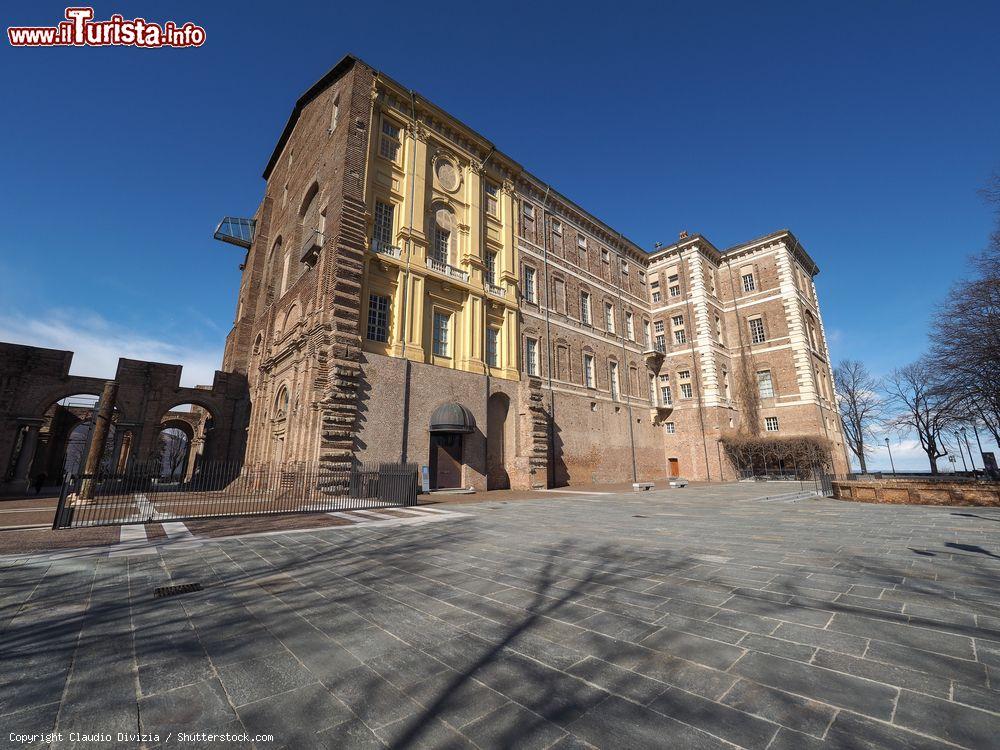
(442, 236)
(274, 261)
(281, 404)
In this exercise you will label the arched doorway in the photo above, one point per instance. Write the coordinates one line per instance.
(449, 424)
(183, 442)
(55, 444)
(497, 411)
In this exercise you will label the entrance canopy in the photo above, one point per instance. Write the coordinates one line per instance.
(452, 417)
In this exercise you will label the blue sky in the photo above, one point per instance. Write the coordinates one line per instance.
(865, 128)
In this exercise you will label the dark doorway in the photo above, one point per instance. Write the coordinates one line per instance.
(446, 460)
(497, 437)
(675, 467)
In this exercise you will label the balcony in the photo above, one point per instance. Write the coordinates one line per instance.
(312, 243)
(448, 270)
(384, 248)
(654, 359)
(496, 291)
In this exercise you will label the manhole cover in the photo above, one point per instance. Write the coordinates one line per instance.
(184, 588)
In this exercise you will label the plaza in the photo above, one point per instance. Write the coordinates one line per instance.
(719, 615)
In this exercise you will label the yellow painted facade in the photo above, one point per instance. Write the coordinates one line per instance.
(442, 251)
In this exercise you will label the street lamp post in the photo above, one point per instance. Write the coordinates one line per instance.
(890, 457)
(958, 441)
(972, 459)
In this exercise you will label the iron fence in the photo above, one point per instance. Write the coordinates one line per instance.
(224, 489)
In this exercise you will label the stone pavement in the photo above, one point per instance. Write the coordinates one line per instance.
(704, 617)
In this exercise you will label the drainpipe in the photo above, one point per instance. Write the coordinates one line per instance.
(406, 281)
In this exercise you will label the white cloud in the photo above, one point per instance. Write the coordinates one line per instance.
(98, 343)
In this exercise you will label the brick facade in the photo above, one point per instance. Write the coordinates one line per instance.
(445, 272)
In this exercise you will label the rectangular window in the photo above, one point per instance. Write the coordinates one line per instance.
(442, 238)
(529, 212)
(748, 282)
(666, 395)
(605, 255)
(675, 290)
(588, 370)
(382, 236)
(624, 267)
(654, 284)
(609, 317)
(378, 318)
(491, 268)
(492, 199)
(771, 424)
(686, 391)
(581, 242)
(656, 296)
(680, 337)
(585, 308)
(642, 278)
(557, 227)
(442, 324)
(757, 330)
(389, 144)
(764, 384)
(661, 342)
(629, 326)
(677, 321)
(492, 348)
(531, 356)
(613, 368)
(670, 428)
(658, 326)
(529, 283)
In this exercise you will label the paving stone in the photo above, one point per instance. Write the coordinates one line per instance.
(791, 711)
(890, 674)
(694, 648)
(199, 707)
(954, 722)
(254, 679)
(826, 639)
(936, 664)
(512, 725)
(293, 715)
(777, 647)
(373, 698)
(715, 718)
(175, 672)
(907, 635)
(852, 731)
(616, 723)
(863, 696)
(618, 681)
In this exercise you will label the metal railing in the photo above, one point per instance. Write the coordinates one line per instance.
(226, 489)
(448, 270)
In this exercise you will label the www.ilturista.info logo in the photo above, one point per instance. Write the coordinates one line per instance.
(80, 30)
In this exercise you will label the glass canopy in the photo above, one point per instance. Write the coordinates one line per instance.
(235, 231)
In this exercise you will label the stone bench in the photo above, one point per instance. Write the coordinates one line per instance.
(643, 486)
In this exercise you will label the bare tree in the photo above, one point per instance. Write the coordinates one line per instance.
(921, 406)
(861, 406)
(173, 450)
(965, 334)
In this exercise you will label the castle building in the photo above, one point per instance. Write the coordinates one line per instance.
(412, 293)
